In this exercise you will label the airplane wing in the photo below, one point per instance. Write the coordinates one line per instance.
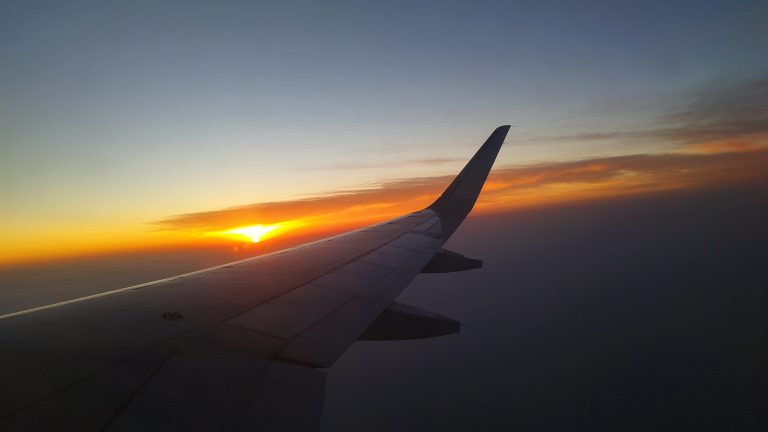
(235, 347)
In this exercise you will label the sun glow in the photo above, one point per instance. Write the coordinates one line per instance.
(253, 233)
(256, 233)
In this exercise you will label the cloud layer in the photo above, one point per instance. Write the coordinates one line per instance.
(508, 187)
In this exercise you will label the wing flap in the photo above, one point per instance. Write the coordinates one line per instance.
(323, 342)
(203, 391)
(178, 396)
(287, 315)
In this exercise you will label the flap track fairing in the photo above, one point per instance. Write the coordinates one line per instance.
(446, 261)
(399, 322)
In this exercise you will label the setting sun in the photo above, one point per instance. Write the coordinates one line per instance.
(257, 233)
(253, 233)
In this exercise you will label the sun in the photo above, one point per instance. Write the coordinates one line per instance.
(253, 232)
(257, 233)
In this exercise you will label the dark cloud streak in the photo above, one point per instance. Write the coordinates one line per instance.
(727, 112)
(510, 186)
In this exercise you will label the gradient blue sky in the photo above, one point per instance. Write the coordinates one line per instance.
(116, 114)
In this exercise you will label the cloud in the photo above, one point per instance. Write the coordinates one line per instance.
(507, 188)
(732, 112)
(622, 175)
(348, 205)
(723, 113)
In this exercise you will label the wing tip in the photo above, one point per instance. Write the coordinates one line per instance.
(501, 130)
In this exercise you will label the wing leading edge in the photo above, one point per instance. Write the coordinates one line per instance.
(245, 353)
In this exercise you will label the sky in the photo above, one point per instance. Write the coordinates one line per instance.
(142, 125)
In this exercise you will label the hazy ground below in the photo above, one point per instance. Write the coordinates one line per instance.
(638, 314)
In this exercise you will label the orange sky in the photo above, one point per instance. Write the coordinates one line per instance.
(116, 199)
(700, 165)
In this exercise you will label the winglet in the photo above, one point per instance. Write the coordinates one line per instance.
(457, 200)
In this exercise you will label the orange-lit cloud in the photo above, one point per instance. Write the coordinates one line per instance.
(508, 188)
(728, 145)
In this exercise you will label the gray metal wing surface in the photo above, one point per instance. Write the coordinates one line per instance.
(236, 347)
